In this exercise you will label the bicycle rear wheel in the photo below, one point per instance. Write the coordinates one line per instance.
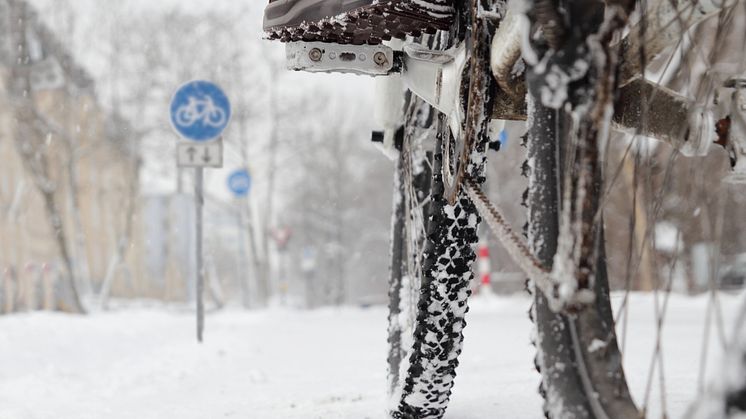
(442, 276)
(573, 79)
(431, 274)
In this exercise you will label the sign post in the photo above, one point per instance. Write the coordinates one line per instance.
(239, 183)
(200, 112)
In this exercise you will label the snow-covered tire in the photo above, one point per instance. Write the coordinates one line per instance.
(427, 375)
(418, 123)
(397, 273)
(442, 306)
(576, 380)
(412, 180)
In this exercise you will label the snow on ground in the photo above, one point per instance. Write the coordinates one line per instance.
(330, 363)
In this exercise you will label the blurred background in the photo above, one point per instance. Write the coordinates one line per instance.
(94, 209)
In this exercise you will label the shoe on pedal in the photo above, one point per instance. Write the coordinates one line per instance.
(355, 22)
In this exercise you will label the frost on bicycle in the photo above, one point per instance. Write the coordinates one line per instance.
(427, 209)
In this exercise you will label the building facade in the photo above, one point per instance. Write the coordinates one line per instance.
(69, 208)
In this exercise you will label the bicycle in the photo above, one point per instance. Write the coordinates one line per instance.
(201, 111)
(572, 70)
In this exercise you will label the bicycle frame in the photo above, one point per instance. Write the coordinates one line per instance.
(436, 76)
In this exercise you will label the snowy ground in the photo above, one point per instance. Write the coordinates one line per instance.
(144, 363)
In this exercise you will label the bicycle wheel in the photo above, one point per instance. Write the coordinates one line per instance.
(726, 399)
(410, 218)
(185, 117)
(575, 74)
(575, 383)
(431, 246)
(431, 340)
(432, 250)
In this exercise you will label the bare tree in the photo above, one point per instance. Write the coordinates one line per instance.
(340, 199)
(34, 133)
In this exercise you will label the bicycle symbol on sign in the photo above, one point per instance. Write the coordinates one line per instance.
(200, 110)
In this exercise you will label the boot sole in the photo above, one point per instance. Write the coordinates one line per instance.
(355, 22)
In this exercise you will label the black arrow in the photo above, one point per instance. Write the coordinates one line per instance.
(191, 151)
(206, 157)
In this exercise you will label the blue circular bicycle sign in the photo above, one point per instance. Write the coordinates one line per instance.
(239, 182)
(200, 111)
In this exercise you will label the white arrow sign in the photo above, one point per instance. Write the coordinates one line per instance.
(200, 154)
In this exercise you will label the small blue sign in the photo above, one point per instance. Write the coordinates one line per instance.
(200, 111)
(239, 182)
(504, 137)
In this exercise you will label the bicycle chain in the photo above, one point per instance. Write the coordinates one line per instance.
(520, 253)
(518, 250)
(475, 111)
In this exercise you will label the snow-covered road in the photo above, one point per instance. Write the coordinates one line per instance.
(144, 363)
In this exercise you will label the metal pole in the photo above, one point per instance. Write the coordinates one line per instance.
(243, 275)
(199, 202)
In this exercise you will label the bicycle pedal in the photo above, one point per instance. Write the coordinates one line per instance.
(320, 57)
